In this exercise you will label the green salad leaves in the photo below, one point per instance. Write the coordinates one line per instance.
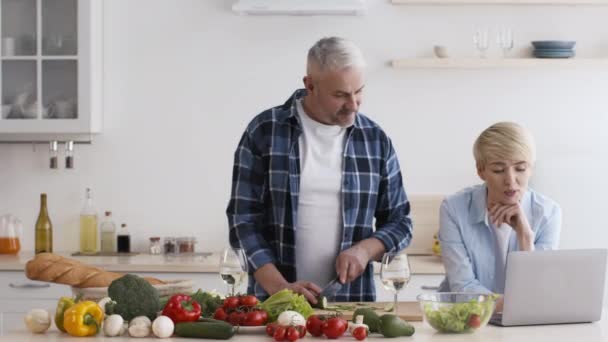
(458, 317)
(285, 300)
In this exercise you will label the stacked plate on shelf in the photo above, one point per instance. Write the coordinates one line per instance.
(553, 48)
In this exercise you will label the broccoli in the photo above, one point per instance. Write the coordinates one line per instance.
(133, 296)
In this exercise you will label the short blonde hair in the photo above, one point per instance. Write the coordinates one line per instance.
(504, 140)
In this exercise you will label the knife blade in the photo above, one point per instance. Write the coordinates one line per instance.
(331, 289)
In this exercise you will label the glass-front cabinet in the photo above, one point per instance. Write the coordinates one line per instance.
(51, 60)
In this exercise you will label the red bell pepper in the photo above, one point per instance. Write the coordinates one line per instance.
(181, 308)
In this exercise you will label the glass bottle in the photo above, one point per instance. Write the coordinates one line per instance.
(108, 234)
(88, 226)
(123, 240)
(44, 229)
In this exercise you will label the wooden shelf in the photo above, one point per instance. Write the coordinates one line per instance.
(495, 63)
(500, 2)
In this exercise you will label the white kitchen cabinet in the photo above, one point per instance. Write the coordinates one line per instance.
(50, 75)
(18, 295)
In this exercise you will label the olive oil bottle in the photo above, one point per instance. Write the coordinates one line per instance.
(88, 226)
(44, 229)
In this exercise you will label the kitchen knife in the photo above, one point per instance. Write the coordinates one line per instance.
(331, 289)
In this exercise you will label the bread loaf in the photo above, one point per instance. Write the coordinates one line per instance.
(57, 269)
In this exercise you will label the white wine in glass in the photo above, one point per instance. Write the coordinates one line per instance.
(395, 273)
(233, 267)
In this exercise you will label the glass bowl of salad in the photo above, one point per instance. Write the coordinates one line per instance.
(457, 312)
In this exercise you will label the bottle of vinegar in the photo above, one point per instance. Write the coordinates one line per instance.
(123, 240)
(108, 234)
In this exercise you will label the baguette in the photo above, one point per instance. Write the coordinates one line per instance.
(57, 269)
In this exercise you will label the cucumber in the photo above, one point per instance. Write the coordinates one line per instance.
(214, 330)
(321, 302)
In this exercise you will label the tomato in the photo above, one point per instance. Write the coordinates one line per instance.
(264, 315)
(270, 328)
(360, 333)
(334, 327)
(220, 314)
(279, 333)
(248, 301)
(474, 321)
(236, 318)
(231, 303)
(314, 324)
(254, 318)
(301, 330)
(292, 334)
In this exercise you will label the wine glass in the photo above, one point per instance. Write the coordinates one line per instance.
(505, 40)
(395, 273)
(480, 38)
(233, 267)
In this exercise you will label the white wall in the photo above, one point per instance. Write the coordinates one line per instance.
(183, 78)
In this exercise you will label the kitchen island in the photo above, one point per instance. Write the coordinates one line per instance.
(587, 332)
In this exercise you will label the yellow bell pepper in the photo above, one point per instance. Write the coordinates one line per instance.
(83, 319)
(62, 305)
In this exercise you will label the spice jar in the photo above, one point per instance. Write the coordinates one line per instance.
(155, 247)
(170, 245)
(186, 244)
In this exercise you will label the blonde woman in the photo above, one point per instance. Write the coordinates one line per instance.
(481, 224)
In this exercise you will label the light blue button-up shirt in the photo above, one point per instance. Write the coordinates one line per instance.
(467, 240)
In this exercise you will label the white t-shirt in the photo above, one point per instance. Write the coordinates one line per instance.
(502, 235)
(319, 219)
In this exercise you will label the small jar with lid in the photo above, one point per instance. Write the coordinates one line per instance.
(155, 247)
(170, 245)
(186, 244)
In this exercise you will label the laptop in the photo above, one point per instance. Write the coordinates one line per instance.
(553, 287)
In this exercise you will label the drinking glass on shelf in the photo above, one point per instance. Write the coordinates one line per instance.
(233, 267)
(482, 43)
(505, 40)
(395, 273)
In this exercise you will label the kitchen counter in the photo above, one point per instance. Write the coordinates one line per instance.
(588, 332)
(420, 264)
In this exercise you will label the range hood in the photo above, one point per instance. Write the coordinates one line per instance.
(300, 7)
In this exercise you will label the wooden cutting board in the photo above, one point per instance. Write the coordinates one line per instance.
(409, 311)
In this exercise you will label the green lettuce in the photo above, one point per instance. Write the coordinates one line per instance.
(285, 300)
(455, 316)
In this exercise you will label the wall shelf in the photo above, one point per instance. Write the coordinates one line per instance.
(500, 2)
(495, 63)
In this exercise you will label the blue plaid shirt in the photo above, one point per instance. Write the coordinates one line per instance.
(265, 185)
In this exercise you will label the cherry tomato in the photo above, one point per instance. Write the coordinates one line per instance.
(236, 318)
(334, 327)
(231, 303)
(302, 330)
(474, 321)
(254, 318)
(220, 314)
(270, 328)
(264, 315)
(279, 333)
(314, 324)
(360, 333)
(248, 301)
(292, 334)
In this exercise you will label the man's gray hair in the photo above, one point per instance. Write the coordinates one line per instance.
(333, 54)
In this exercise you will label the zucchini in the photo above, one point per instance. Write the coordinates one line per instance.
(214, 330)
